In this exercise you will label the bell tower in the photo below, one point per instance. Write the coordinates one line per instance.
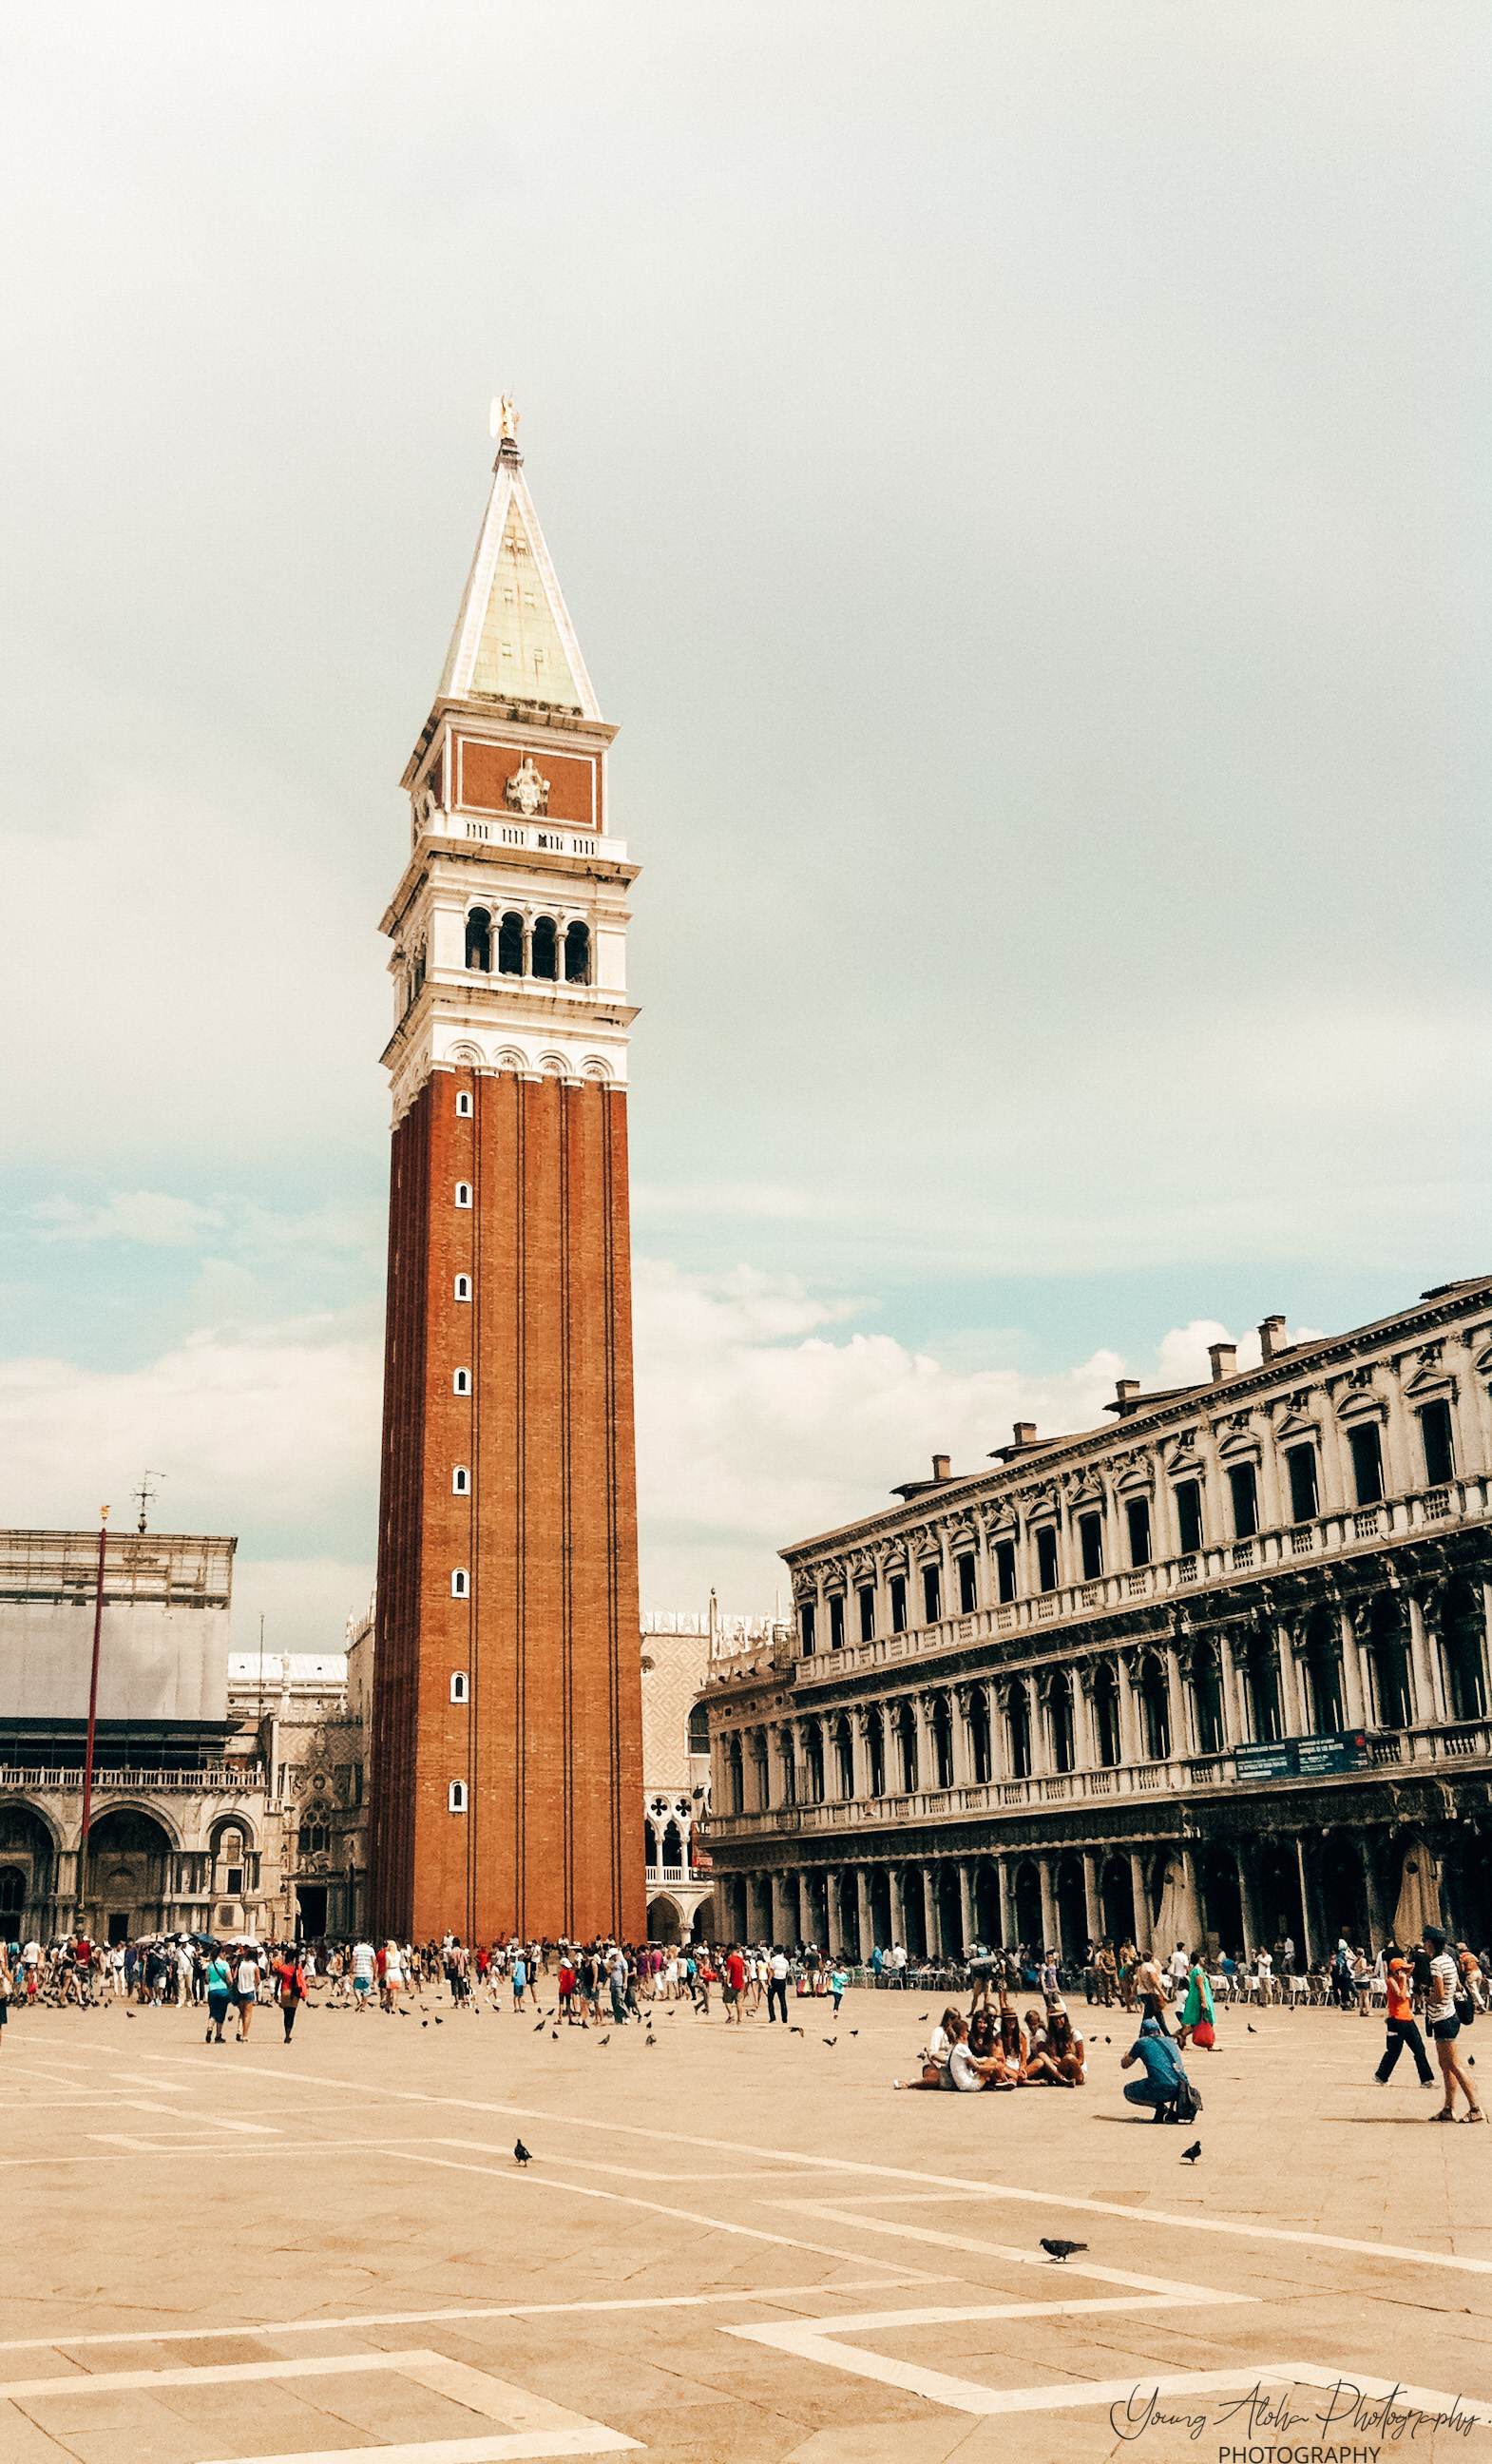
(507, 1751)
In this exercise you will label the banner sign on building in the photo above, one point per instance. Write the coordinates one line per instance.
(1303, 1757)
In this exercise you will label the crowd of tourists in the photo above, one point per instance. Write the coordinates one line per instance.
(1019, 2031)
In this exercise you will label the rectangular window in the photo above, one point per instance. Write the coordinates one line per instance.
(966, 1585)
(463, 1106)
(460, 1481)
(931, 1593)
(463, 1192)
(1243, 1484)
(1300, 1463)
(1005, 1569)
(463, 1287)
(1047, 1557)
(867, 1599)
(1090, 1540)
(1437, 1439)
(461, 1383)
(1137, 1515)
(807, 1619)
(1366, 1464)
(836, 1621)
(1189, 1516)
(898, 1604)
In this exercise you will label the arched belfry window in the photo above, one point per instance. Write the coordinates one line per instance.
(479, 940)
(577, 954)
(545, 948)
(510, 945)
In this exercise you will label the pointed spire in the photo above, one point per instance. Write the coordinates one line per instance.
(513, 636)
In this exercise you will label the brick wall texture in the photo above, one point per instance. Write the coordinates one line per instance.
(549, 1739)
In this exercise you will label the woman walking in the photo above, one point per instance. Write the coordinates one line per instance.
(1198, 2015)
(290, 1987)
(220, 1994)
(1444, 2022)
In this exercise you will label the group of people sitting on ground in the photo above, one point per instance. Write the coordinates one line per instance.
(996, 2048)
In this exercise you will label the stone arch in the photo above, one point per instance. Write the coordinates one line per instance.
(129, 1853)
(593, 1067)
(664, 1921)
(509, 1057)
(553, 1065)
(1029, 1905)
(160, 1814)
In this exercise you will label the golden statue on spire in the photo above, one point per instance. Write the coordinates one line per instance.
(504, 419)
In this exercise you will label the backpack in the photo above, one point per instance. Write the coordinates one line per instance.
(1188, 2102)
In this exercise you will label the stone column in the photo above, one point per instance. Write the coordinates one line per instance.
(1143, 1920)
(1429, 1690)
(1377, 1918)
(1293, 1718)
(860, 1754)
(783, 1901)
(963, 1756)
(1004, 1880)
(1084, 1738)
(1354, 1690)
(1128, 1722)
(1175, 1697)
(1093, 1903)
(897, 1912)
(965, 1904)
(1192, 1905)
(1307, 1929)
(1235, 1709)
(863, 1913)
(1039, 1731)
(932, 1920)
(1051, 1923)
(1248, 1898)
(807, 1925)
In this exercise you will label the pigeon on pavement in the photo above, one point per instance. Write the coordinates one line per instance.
(1062, 2250)
(1190, 2155)
(524, 2155)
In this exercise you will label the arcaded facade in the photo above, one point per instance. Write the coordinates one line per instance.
(1217, 1669)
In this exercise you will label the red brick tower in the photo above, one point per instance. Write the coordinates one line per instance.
(507, 1751)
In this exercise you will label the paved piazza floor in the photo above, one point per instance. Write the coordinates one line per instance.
(731, 2244)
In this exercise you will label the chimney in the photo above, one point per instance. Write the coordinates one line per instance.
(1224, 1359)
(942, 1466)
(1126, 1390)
(1023, 1432)
(1271, 1337)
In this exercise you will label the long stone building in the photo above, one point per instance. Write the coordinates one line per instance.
(1217, 1668)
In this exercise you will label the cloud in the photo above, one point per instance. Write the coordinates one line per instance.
(150, 1217)
(758, 1426)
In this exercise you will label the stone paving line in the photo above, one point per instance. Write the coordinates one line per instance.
(1308, 2231)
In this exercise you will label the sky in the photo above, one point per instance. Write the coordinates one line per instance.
(1020, 479)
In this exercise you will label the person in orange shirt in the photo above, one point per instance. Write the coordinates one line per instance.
(1403, 2030)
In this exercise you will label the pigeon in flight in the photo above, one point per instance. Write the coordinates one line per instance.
(832, 2041)
(540, 2030)
(854, 2031)
(1062, 2250)
(795, 2032)
(522, 2155)
(1190, 2155)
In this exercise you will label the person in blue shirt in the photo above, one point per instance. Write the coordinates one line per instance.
(1159, 2058)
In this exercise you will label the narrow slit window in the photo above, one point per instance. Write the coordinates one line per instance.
(463, 1192)
(460, 1582)
(455, 1797)
(461, 1383)
(463, 1106)
(463, 1287)
(458, 1685)
(460, 1481)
